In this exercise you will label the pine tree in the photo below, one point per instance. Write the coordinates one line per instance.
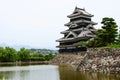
(108, 33)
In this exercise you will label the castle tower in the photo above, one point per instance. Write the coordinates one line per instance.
(80, 28)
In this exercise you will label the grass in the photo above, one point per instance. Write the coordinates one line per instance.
(114, 46)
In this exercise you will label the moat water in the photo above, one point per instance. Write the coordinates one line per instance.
(50, 72)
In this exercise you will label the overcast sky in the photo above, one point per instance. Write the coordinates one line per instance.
(38, 23)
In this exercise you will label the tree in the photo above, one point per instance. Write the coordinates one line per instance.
(37, 57)
(8, 54)
(109, 30)
(107, 34)
(2, 51)
(99, 39)
(23, 54)
(49, 56)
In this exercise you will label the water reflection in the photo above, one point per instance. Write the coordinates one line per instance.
(14, 75)
(38, 72)
(50, 72)
(68, 74)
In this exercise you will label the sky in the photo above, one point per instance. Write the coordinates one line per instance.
(38, 23)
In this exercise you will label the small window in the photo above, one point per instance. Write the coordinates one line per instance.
(70, 36)
(77, 33)
(75, 12)
(90, 28)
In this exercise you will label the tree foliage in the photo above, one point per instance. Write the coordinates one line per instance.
(108, 33)
(37, 57)
(49, 56)
(23, 54)
(8, 54)
(2, 51)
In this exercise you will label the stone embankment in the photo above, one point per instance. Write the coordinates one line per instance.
(101, 59)
(94, 59)
(68, 59)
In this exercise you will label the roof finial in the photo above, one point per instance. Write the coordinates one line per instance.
(76, 7)
(84, 8)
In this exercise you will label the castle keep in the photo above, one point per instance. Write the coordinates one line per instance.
(80, 28)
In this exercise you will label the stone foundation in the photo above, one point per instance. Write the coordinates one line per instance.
(101, 59)
(94, 59)
(68, 59)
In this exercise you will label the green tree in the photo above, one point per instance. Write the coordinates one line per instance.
(23, 54)
(8, 54)
(99, 39)
(2, 51)
(107, 35)
(49, 56)
(116, 44)
(109, 30)
(37, 57)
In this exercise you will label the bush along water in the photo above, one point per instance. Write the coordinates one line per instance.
(8, 54)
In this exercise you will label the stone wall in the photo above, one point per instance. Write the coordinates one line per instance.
(68, 59)
(95, 59)
(101, 59)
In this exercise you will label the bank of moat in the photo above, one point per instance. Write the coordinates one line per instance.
(94, 59)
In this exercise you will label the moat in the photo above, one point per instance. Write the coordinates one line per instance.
(50, 72)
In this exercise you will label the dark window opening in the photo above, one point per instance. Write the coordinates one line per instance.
(90, 28)
(75, 12)
(65, 35)
(70, 43)
(73, 50)
(80, 18)
(70, 36)
(77, 33)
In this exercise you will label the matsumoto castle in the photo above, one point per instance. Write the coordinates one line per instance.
(80, 28)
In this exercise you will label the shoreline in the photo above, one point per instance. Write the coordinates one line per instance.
(29, 62)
